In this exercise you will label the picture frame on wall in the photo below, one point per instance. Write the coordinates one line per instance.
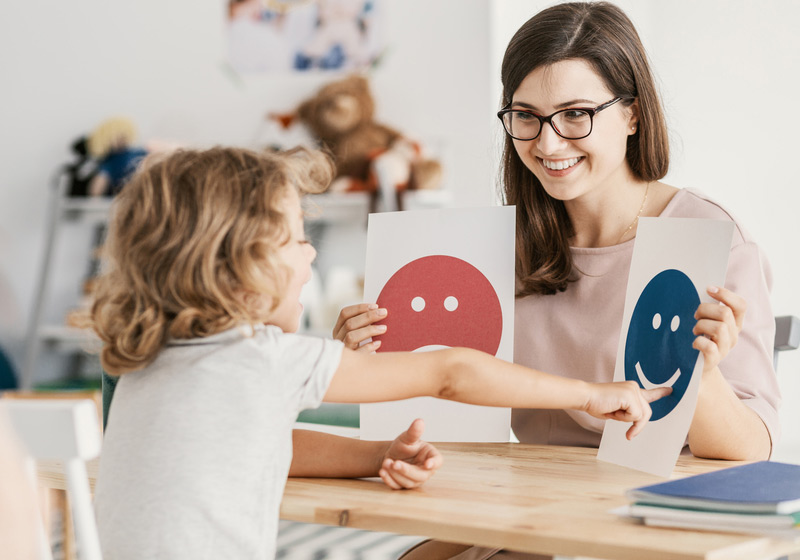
(284, 36)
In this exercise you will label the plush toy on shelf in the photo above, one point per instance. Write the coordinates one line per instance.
(81, 172)
(112, 144)
(369, 156)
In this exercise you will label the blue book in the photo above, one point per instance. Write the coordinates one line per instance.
(761, 487)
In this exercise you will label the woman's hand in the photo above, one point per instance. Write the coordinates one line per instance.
(409, 461)
(718, 325)
(355, 325)
(624, 401)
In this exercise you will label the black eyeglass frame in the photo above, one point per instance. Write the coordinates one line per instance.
(549, 118)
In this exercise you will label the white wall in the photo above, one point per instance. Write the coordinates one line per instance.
(728, 77)
(727, 71)
(66, 66)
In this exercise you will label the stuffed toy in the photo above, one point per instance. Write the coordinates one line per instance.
(369, 156)
(80, 172)
(112, 145)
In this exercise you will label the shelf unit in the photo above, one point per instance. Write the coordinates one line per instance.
(61, 209)
(324, 210)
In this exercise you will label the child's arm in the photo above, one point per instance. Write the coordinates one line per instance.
(474, 377)
(406, 462)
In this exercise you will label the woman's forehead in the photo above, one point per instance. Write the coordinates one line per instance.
(562, 82)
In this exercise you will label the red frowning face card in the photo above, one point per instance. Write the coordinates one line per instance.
(438, 301)
(446, 277)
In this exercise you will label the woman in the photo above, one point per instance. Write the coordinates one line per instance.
(585, 149)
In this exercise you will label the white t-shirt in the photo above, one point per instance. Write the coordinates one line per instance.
(198, 445)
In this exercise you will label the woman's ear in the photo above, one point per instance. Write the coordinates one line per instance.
(633, 118)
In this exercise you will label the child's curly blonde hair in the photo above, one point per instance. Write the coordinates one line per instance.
(192, 247)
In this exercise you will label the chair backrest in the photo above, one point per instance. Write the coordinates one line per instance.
(787, 335)
(66, 431)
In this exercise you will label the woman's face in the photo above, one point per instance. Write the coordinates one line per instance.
(569, 169)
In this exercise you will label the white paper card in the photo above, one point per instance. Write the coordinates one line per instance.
(447, 279)
(674, 261)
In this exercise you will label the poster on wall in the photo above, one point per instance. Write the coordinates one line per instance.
(674, 259)
(446, 278)
(281, 36)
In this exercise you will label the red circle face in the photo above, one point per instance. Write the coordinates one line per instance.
(440, 301)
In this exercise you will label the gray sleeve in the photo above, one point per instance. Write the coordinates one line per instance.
(315, 361)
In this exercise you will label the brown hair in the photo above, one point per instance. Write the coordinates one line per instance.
(603, 36)
(192, 247)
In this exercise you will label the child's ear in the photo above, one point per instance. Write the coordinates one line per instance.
(258, 305)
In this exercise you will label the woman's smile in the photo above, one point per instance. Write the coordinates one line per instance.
(560, 167)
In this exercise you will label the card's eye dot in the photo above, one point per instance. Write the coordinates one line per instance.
(656, 321)
(451, 303)
(418, 304)
(676, 322)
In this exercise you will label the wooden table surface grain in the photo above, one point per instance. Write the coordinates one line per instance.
(534, 498)
(545, 499)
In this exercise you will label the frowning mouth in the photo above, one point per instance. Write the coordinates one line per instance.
(644, 382)
(431, 348)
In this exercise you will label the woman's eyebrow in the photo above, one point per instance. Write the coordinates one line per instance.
(565, 105)
(574, 102)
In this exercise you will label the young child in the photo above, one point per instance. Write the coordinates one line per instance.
(197, 310)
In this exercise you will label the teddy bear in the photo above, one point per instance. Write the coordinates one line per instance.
(369, 156)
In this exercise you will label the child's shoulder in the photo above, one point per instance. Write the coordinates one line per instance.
(267, 341)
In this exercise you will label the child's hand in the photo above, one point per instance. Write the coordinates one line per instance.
(409, 461)
(718, 325)
(355, 325)
(624, 401)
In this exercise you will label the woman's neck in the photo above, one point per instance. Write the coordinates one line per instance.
(608, 216)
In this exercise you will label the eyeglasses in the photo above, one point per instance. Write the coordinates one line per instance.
(571, 124)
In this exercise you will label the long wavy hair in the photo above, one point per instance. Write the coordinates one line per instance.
(192, 247)
(603, 36)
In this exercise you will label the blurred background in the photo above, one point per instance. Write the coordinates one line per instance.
(726, 69)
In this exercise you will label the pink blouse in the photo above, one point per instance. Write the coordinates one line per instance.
(575, 333)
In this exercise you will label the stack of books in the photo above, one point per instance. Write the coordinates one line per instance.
(761, 498)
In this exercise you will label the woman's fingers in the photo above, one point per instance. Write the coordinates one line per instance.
(351, 312)
(718, 324)
(718, 331)
(355, 325)
(731, 302)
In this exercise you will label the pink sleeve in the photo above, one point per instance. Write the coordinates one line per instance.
(749, 365)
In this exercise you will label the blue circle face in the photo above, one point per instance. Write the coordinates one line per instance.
(658, 350)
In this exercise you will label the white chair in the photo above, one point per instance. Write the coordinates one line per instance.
(66, 431)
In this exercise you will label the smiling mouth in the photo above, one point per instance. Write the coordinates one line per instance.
(561, 164)
(644, 382)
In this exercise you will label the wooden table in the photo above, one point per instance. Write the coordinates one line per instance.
(545, 499)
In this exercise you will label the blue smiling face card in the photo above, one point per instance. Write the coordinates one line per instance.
(674, 260)
(658, 348)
